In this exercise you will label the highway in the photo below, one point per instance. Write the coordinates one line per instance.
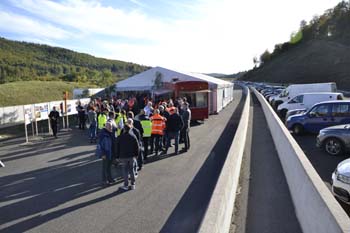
(55, 185)
(264, 202)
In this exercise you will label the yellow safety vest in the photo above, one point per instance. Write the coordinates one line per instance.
(102, 119)
(147, 128)
(117, 120)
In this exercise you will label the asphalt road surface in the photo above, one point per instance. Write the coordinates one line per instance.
(54, 185)
(263, 203)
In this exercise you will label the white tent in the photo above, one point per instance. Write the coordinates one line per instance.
(221, 91)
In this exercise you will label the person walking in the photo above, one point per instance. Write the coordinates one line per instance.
(158, 127)
(175, 124)
(92, 116)
(104, 150)
(54, 116)
(127, 150)
(186, 117)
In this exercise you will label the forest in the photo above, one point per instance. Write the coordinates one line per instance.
(22, 61)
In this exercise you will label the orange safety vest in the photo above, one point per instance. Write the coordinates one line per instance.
(158, 124)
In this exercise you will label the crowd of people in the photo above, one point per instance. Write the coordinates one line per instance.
(128, 133)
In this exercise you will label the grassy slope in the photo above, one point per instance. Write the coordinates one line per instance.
(18, 93)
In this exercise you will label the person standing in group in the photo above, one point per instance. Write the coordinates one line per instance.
(186, 117)
(101, 120)
(147, 131)
(54, 116)
(148, 109)
(81, 115)
(175, 124)
(127, 150)
(92, 116)
(137, 125)
(120, 120)
(104, 150)
(139, 160)
(158, 127)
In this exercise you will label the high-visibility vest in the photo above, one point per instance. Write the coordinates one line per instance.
(102, 119)
(147, 128)
(158, 124)
(117, 120)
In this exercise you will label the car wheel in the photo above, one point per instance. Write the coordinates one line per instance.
(298, 129)
(333, 146)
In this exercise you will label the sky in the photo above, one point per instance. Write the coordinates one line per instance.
(206, 36)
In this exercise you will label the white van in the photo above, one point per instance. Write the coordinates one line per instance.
(307, 100)
(293, 90)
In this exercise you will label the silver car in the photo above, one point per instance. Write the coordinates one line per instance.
(334, 140)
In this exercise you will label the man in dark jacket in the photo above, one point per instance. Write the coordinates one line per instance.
(54, 116)
(175, 124)
(186, 117)
(104, 151)
(127, 150)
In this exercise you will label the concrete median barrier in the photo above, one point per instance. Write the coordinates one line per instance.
(316, 208)
(217, 218)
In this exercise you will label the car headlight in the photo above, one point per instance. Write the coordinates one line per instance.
(322, 133)
(342, 178)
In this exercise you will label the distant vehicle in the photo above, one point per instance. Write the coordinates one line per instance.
(341, 181)
(307, 100)
(320, 116)
(334, 140)
(296, 89)
(295, 111)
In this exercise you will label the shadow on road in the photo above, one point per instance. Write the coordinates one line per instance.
(25, 196)
(189, 212)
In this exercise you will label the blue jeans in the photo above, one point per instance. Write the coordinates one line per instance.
(174, 135)
(128, 168)
(92, 130)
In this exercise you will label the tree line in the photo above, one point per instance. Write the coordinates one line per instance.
(333, 25)
(22, 61)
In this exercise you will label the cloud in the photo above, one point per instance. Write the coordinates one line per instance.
(210, 36)
(22, 25)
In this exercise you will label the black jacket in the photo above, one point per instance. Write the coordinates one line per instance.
(138, 126)
(175, 123)
(127, 146)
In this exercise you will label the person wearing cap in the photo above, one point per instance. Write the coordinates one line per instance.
(127, 150)
(104, 150)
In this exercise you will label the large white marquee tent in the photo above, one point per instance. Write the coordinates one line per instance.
(221, 92)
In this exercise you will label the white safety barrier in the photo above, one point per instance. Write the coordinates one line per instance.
(217, 218)
(316, 208)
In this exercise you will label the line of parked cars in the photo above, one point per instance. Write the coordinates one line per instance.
(317, 108)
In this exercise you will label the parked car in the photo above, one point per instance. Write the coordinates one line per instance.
(320, 116)
(295, 111)
(341, 181)
(307, 100)
(296, 89)
(334, 140)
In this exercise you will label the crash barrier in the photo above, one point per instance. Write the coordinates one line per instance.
(316, 208)
(36, 112)
(219, 212)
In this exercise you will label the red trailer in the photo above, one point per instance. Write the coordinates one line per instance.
(196, 93)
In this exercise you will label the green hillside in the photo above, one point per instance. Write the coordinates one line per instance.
(28, 92)
(318, 52)
(22, 61)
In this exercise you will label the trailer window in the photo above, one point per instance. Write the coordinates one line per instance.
(196, 99)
